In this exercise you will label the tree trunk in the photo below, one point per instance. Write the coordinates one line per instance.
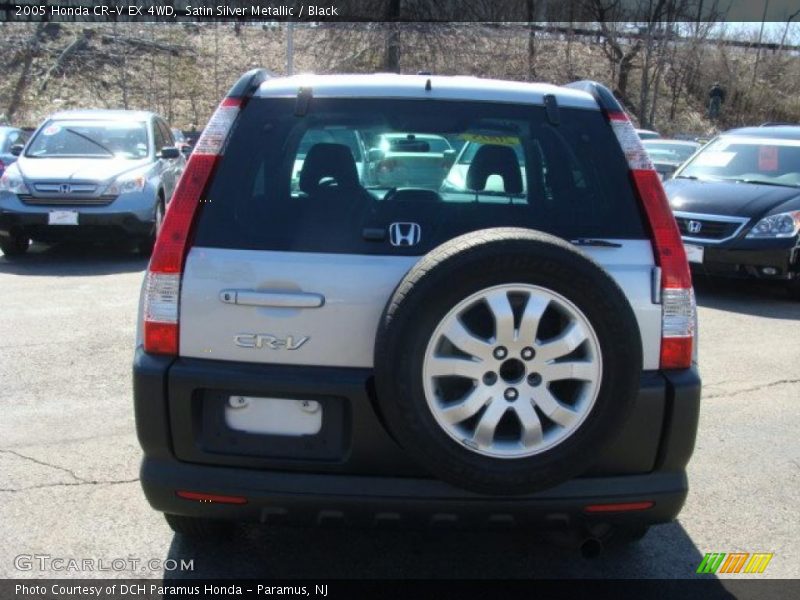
(644, 91)
(24, 75)
(392, 57)
(216, 61)
(169, 87)
(391, 60)
(570, 38)
(652, 118)
(62, 59)
(531, 16)
(758, 49)
(624, 73)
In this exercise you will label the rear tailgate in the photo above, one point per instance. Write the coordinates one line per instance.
(284, 285)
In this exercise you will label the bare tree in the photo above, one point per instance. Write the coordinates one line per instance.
(621, 51)
(22, 81)
(392, 56)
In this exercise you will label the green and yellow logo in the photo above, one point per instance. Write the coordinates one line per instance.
(734, 562)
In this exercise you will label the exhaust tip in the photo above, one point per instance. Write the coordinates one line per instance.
(591, 548)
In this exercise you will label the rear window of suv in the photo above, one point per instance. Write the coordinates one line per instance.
(319, 182)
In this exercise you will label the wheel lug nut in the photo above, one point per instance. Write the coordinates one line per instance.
(489, 378)
(534, 379)
(511, 394)
(500, 352)
(527, 353)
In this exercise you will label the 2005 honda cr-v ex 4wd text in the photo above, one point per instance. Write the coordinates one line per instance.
(513, 345)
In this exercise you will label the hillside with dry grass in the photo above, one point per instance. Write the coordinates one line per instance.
(182, 70)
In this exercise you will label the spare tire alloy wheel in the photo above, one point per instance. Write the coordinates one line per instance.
(512, 372)
(506, 361)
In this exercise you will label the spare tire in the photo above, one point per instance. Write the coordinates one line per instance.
(506, 361)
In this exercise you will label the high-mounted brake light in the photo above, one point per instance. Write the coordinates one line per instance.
(163, 278)
(678, 309)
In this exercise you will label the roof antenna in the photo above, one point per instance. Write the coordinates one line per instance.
(428, 85)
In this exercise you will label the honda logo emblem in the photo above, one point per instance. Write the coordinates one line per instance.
(404, 234)
(694, 226)
(65, 188)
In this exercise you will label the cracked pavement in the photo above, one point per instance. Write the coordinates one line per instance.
(69, 455)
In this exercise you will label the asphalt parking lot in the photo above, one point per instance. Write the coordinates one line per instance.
(69, 455)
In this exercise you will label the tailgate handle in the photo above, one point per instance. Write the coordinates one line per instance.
(276, 299)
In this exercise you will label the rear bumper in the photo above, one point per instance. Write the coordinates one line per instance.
(275, 497)
(370, 480)
(753, 259)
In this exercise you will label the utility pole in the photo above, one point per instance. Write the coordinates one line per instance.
(290, 48)
(760, 37)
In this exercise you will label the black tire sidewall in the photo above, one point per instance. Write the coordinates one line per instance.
(15, 245)
(508, 256)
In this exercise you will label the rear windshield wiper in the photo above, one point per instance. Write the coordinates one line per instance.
(88, 139)
(597, 243)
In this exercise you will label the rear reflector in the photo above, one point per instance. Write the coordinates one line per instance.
(619, 507)
(678, 309)
(163, 280)
(215, 498)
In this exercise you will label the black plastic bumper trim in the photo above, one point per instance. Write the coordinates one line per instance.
(317, 498)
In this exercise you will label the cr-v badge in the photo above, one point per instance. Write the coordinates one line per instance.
(405, 234)
(265, 340)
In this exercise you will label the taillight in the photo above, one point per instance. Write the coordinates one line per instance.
(163, 278)
(2, 167)
(678, 310)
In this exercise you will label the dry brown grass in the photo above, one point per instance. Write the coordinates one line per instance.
(186, 87)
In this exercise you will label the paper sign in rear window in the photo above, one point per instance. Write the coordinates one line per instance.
(767, 158)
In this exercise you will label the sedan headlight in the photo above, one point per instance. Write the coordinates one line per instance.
(782, 225)
(126, 186)
(12, 182)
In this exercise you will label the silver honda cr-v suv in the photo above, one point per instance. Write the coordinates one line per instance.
(98, 175)
(511, 344)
